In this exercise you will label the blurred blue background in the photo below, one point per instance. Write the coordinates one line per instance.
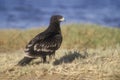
(34, 13)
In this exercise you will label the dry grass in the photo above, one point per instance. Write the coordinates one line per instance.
(75, 36)
(91, 64)
(88, 52)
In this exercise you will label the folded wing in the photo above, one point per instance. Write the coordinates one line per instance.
(44, 43)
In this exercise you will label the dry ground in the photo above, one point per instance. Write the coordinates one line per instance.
(89, 64)
(88, 52)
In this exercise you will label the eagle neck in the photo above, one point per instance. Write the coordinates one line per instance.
(54, 27)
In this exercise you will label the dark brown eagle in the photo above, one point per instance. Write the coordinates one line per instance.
(45, 43)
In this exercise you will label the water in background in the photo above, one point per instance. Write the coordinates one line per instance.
(31, 13)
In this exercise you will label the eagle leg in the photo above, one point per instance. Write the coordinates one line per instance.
(44, 59)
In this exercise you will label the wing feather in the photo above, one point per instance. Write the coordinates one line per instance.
(43, 43)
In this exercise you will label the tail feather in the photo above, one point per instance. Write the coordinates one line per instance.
(25, 61)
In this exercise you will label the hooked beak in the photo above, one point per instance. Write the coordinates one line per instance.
(62, 19)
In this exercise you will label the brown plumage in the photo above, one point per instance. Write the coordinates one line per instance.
(45, 43)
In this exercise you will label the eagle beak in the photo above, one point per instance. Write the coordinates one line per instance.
(62, 19)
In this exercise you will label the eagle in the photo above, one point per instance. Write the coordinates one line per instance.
(45, 43)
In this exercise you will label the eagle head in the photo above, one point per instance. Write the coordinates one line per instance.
(56, 19)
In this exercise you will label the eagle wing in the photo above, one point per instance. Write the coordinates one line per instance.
(47, 43)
